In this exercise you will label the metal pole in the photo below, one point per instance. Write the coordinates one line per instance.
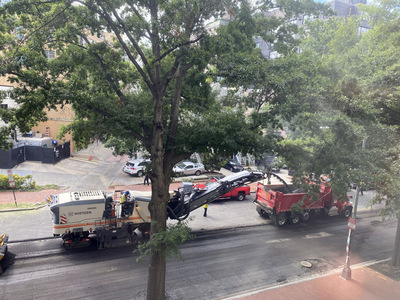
(15, 199)
(346, 273)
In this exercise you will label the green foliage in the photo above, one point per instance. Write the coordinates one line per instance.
(22, 183)
(167, 242)
(211, 161)
(297, 208)
(352, 97)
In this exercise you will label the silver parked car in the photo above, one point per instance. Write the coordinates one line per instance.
(136, 167)
(189, 168)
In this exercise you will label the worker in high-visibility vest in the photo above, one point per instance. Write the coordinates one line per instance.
(123, 197)
(205, 209)
(122, 201)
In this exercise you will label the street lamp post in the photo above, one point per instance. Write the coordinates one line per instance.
(346, 273)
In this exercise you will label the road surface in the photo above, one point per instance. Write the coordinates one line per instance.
(216, 264)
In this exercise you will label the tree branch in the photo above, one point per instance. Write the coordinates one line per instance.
(132, 6)
(108, 77)
(179, 45)
(120, 39)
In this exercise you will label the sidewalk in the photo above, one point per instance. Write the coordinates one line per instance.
(365, 284)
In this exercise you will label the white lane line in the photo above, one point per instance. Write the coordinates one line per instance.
(317, 235)
(277, 241)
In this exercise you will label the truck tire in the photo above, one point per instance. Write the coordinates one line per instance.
(347, 212)
(241, 196)
(262, 212)
(281, 219)
(294, 219)
(305, 216)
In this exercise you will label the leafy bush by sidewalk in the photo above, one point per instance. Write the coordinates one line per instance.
(23, 183)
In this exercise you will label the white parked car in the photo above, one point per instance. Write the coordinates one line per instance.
(189, 168)
(136, 167)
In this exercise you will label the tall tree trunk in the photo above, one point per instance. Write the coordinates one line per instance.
(396, 251)
(160, 179)
(157, 265)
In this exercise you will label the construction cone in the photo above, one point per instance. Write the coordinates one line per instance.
(90, 158)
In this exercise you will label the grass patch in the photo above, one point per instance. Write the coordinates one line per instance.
(21, 205)
(46, 187)
(37, 188)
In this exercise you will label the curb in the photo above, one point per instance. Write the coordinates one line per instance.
(22, 209)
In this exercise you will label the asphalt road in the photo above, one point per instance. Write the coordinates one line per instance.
(216, 264)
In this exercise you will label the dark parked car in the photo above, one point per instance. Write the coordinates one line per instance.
(233, 166)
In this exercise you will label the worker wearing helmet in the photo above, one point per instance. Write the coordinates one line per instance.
(124, 197)
(122, 201)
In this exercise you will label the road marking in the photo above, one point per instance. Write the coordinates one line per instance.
(317, 235)
(277, 241)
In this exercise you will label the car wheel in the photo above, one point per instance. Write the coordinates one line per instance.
(139, 173)
(198, 172)
(241, 196)
(347, 212)
(281, 219)
(231, 169)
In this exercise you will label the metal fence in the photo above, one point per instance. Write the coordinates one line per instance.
(13, 157)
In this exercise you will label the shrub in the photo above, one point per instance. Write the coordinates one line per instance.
(22, 183)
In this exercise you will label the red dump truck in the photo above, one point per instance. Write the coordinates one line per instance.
(275, 202)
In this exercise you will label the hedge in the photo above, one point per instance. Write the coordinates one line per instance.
(23, 183)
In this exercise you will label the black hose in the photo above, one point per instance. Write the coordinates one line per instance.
(281, 180)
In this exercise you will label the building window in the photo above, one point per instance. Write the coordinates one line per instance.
(50, 54)
(3, 106)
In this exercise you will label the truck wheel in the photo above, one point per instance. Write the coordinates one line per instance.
(294, 219)
(241, 196)
(281, 219)
(305, 216)
(347, 212)
(262, 212)
(139, 174)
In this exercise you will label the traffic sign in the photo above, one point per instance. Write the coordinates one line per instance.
(10, 178)
(351, 224)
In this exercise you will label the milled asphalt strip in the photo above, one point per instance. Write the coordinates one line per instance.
(275, 286)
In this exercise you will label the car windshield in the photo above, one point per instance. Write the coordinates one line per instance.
(181, 165)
